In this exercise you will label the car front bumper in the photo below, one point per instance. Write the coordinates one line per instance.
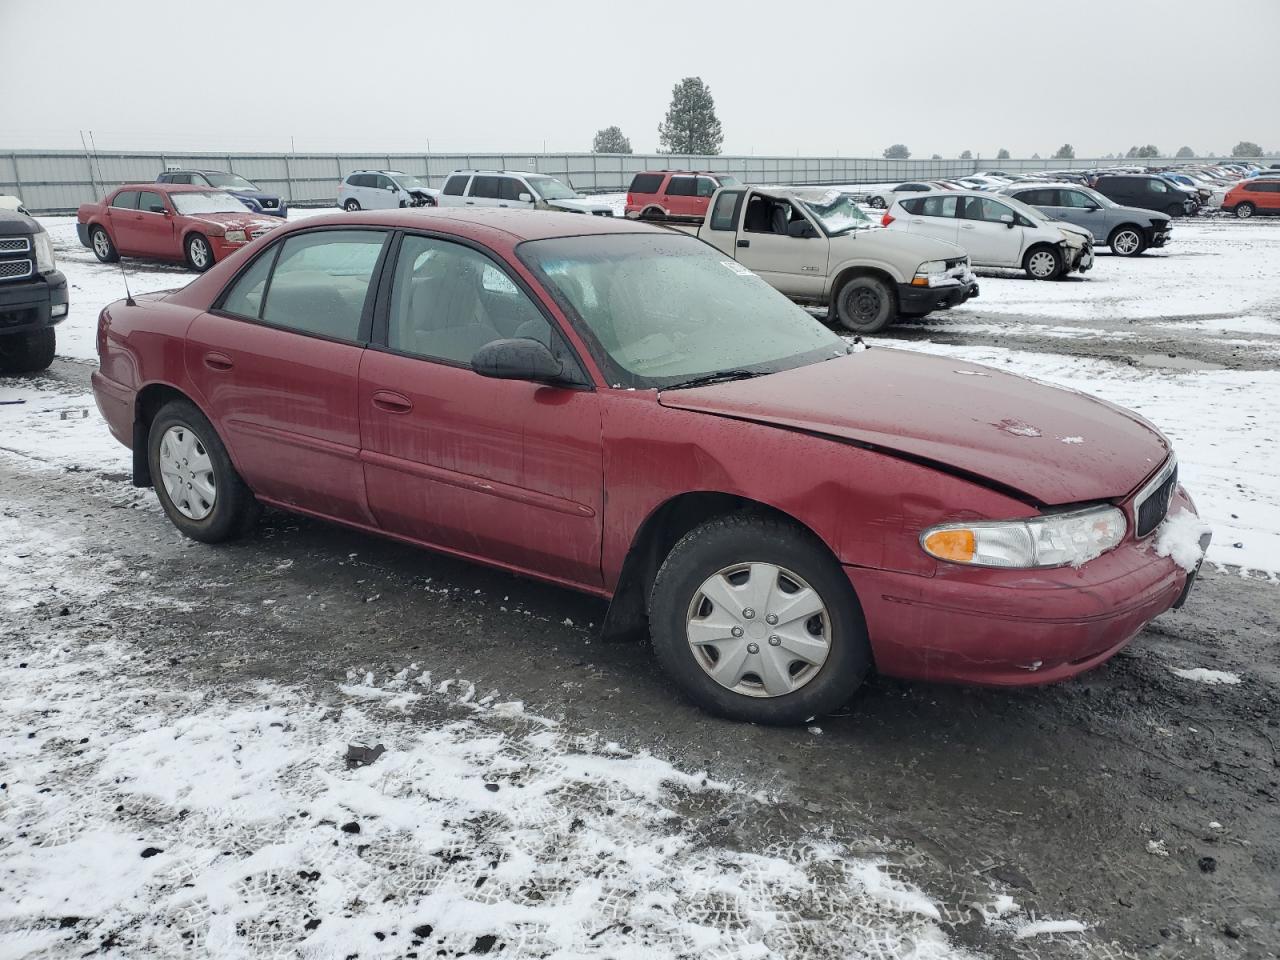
(1158, 238)
(31, 304)
(1016, 627)
(916, 301)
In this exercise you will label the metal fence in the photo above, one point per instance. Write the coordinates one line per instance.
(58, 181)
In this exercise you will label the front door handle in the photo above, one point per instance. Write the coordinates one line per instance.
(967, 226)
(218, 361)
(390, 402)
(744, 243)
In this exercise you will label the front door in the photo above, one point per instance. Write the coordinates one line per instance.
(796, 266)
(989, 230)
(502, 470)
(154, 225)
(279, 373)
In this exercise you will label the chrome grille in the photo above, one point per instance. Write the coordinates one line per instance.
(14, 244)
(1152, 503)
(268, 204)
(255, 234)
(14, 269)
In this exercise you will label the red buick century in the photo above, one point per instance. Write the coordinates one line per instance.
(621, 410)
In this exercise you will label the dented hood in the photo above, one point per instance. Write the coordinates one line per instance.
(1051, 445)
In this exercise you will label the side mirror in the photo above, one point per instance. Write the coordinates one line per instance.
(525, 198)
(801, 228)
(1007, 220)
(516, 359)
(391, 186)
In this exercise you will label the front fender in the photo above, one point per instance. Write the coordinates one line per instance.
(864, 263)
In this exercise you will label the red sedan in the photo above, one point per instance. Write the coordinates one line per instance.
(169, 221)
(617, 408)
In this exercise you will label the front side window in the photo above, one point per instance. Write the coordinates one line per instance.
(150, 202)
(206, 201)
(681, 187)
(724, 215)
(126, 200)
(706, 186)
(661, 310)
(456, 185)
(485, 187)
(448, 301)
(320, 282)
(510, 189)
(1157, 186)
(384, 182)
(1074, 198)
(987, 210)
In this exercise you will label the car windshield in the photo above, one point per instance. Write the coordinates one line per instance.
(210, 201)
(659, 311)
(229, 181)
(836, 212)
(549, 188)
(411, 183)
(727, 181)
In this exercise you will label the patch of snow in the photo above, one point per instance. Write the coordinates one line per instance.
(1214, 677)
(1072, 439)
(1040, 928)
(1179, 539)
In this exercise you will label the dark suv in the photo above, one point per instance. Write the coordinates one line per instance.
(257, 200)
(1146, 191)
(33, 294)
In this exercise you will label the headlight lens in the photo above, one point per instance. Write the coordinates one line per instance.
(44, 252)
(930, 273)
(1056, 540)
(237, 236)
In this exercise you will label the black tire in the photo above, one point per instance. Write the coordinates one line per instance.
(864, 304)
(747, 537)
(1127, 240)
(103, 248)
(199, 252)
(1175, 210)
(876, 203)
(28, 352)
(352, 205)
(1245, 210)
(235, 509)
(651, 213)
(1035, 258)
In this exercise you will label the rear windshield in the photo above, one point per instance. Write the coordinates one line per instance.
(645, 183)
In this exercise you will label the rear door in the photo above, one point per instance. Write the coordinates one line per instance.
(796, 266)
(485, 190)
(1268, 195)
(933, 216)
(155, 225)
(277, 364)
(680, 198)
(989, 230)
(122, 217)
(455, 189)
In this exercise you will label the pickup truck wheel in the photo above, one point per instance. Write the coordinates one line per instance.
(103, 248)
(1042, 263)
(864, 305)
(199, 253)
(753, 618)
(1127, 241)
(28, 352)
(195, 482)
(1244, 210)
(352, 205)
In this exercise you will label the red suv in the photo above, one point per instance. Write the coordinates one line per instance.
(674, 193)
(1249, 197)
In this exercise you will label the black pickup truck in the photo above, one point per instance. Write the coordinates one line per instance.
(33, 294)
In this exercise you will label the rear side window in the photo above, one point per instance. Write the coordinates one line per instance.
(724, 215)
(360, 180)
(1157, 186)
(645, 183)
(149, 202)
(456, 185)
(681, 187)
(321, 280)
(1039, 198)
(126, 200)
(486, 187)
(931, 206)
(245, 297)
(706, 186)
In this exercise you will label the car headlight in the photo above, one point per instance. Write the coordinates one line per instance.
(929, 273)
(44, 252)
(1055, 540)
(237, 236)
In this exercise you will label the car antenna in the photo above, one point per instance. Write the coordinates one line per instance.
(128, 297)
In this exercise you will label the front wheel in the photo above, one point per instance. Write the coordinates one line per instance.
(199, 253)
(198, 487)
(1042, 263)
(1245, 210)
(1127, 242)
(864, 305)
(754, 619)
(28, 352)
(1175, 210)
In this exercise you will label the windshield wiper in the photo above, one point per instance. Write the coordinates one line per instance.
(720, 376)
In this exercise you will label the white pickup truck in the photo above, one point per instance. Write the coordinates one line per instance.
(818, 248)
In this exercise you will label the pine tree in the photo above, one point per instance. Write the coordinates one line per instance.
(1246, 148)
(1065, 152)
(610, 140)
(1002, 154)
(691, 125)
(1184, 152)
(898, 151)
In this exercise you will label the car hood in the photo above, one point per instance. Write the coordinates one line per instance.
(578, 206)
(870, 242)
(1052, 446)
(1078, 236)
(235, 221)
(254, 194)
(1137, 213)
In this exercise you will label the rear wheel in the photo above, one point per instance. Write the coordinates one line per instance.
(1245, 210)
(1175, 210)
(876, 202)
(1042, 263)
(755, 620)
(864, 305)
(651, 213)
(352, 205)
(28, 352)
(199, 253)
(1127, 241)
(195, 481)
(103, 248)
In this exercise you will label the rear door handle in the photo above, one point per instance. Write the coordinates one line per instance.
(744, 243)
(390, 402)
(218, 361)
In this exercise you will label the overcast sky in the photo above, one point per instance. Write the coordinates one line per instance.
(824, 78)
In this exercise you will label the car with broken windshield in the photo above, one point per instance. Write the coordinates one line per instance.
(624, 410)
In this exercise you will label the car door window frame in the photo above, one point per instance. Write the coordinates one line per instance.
(365, 328)
(381, 312)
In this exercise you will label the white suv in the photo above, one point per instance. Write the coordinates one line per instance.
(513, 188)
(996, 232)
(383, 189)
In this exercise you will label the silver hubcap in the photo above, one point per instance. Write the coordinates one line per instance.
(758, 629)
(351, 205)
(199, 252)
(1244, 212)
(187, 473)
(1126, 241)
(1042, 264)
(100, 244)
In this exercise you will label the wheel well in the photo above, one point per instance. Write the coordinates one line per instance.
(850, 273)
(1126, 226)
(661, 530)
(652, 210)
(145, 407)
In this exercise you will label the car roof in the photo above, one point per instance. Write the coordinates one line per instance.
(517, 224)
(168, 187)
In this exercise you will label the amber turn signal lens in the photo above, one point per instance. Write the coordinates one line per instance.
(955, 545)
(919, 281)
